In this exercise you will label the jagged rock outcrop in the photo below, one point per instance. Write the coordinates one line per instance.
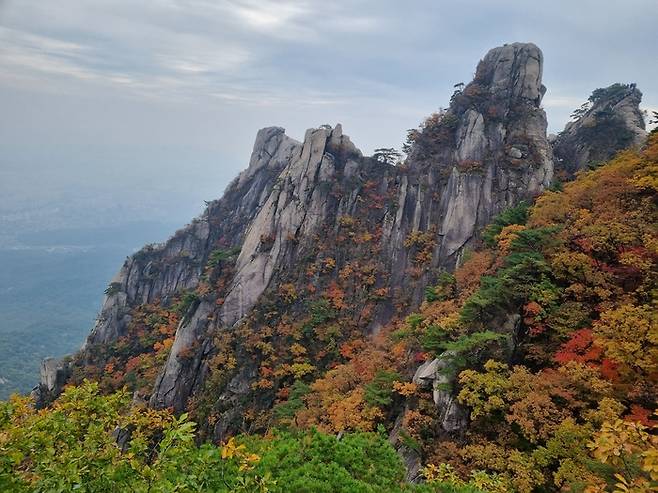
(282, 232)
(610, 121)
(435, 375)
(54, 373)
(487, 152)
(307, 217)
(159, 271)
(297, 206)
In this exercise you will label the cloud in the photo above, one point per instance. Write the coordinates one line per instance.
(36, 53)
(206, 45)
(103, 77)
(270, 17)
(564, 102)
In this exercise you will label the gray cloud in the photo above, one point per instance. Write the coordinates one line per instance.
(172, 91)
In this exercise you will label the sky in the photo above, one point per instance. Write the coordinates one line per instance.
(143, 109)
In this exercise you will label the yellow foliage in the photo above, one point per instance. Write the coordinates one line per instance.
(405, 389)
(619, 443)
(629, 336)
(328, 264)
(507, 235)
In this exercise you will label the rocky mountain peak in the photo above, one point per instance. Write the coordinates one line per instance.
(609, 121)
(513, 71)
(314, 217)
(486, 152)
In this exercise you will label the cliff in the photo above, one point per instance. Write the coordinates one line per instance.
(610, 121)
(495, 335)
(317, 237)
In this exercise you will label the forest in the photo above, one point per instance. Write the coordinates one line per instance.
(568, 405)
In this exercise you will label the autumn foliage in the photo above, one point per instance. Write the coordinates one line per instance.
(572, 281)
(546, 339)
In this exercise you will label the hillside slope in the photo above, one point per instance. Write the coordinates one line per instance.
(316, 229)
(425, 299)
(540, 352)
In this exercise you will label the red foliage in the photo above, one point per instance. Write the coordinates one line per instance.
(421, 357)
(133, 363)
(350, 349)
(531, 311)
(580, 347)
(609, 369)
(336, 296)
(640, 414)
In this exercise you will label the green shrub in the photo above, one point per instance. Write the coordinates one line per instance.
(295, 402)
(113, 288)
(434, 339)
(511, 286)
(220, 255)
(312, 462)
(444, 289)
(186, 301)
(321, 312)
(379, 392)
(514, 215)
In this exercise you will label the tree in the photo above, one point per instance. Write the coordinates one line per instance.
(629, 336)
(92, 443)
(631, 451)
(387, 155)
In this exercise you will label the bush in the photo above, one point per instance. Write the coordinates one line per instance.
(511, 286)
(313, 462)
(186, 301)
(514, 215)
(220, 255)
(113, 288)
(96, 444)
(444, 289)
(379, 392)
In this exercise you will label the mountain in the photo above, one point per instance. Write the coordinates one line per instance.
(322, 206)
(332, 290)
(610, 121)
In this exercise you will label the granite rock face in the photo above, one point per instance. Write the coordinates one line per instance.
(53, 375)
(159, 271)
(282, 231)
(485, 153)
(434, 375)
(294, 209)
(610, 121)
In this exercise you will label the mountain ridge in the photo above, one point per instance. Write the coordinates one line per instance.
(314, 249)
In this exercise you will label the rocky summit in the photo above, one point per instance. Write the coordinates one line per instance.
(486, 152)
(316, 252)
(610, 121)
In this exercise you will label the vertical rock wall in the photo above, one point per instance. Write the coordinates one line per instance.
(487, 152)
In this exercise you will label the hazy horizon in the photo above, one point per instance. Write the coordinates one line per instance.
(142, 111)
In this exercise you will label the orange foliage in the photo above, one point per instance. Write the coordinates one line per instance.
(336, 296)
(336, 402)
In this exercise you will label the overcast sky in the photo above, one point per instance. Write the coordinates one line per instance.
(158, 101)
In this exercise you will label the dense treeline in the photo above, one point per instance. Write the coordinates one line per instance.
(90, 442)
